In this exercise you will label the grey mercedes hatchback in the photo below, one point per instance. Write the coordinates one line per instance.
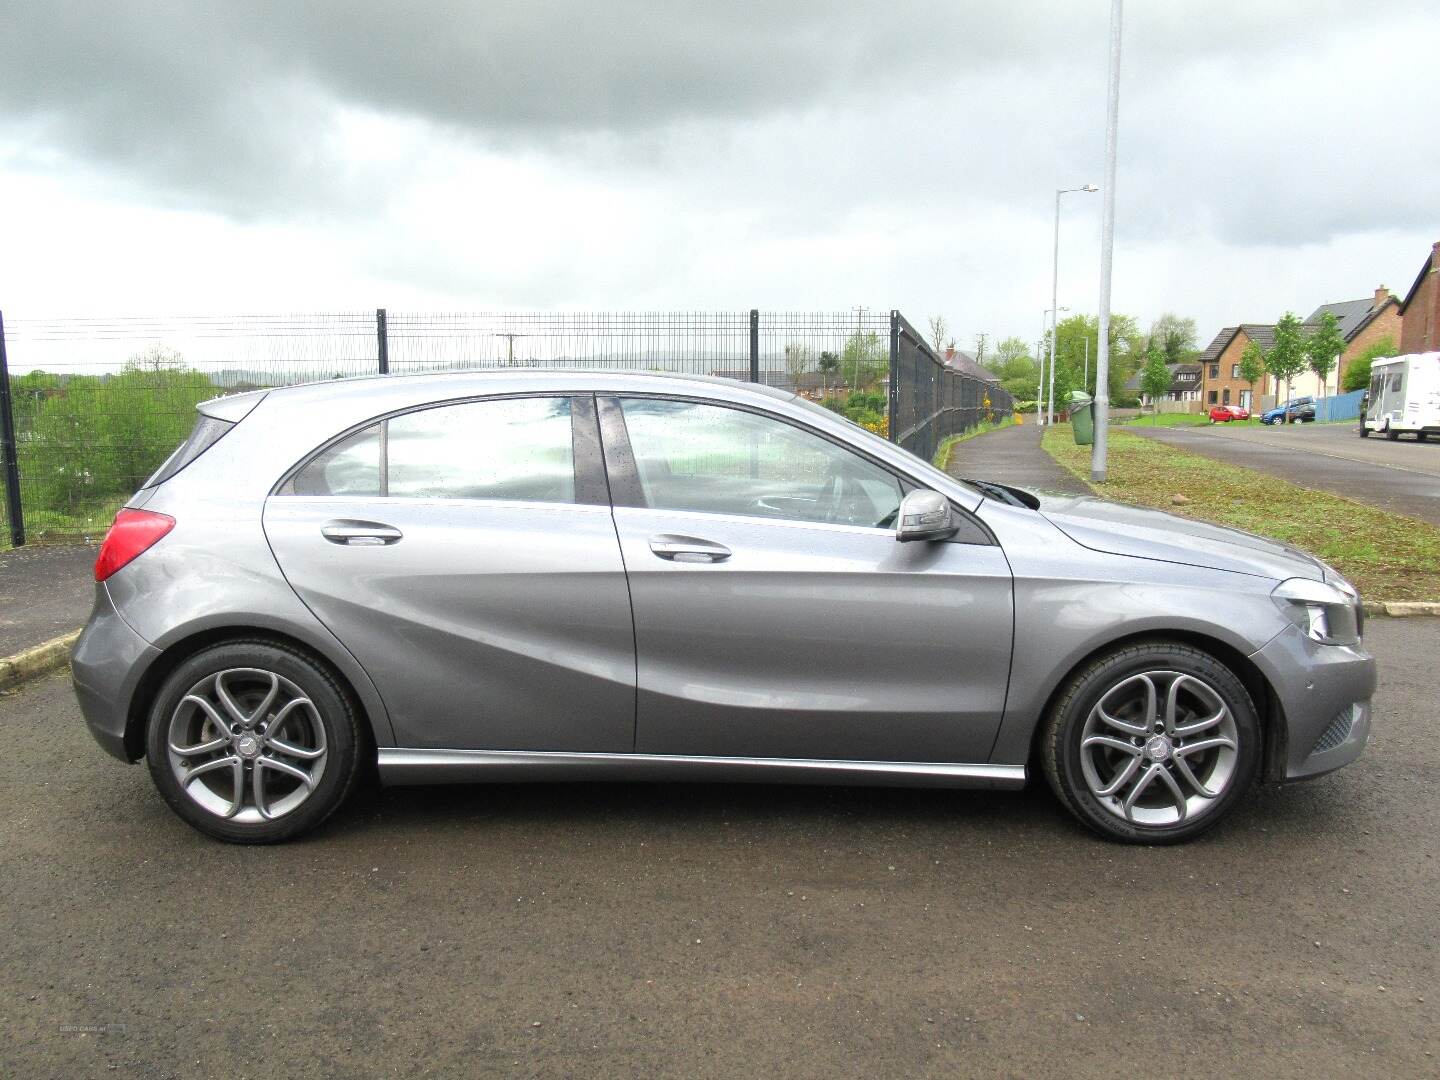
(542, 575)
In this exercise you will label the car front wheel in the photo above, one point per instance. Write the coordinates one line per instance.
(1152, 744)
(252, 742)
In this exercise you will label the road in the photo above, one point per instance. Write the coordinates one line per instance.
(722, 931)
(1401, 476)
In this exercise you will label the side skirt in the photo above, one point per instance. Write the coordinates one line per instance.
(407, 766)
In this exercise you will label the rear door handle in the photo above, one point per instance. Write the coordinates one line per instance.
(360, 533)
(688, 549)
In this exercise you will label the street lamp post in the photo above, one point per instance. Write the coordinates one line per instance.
(1107, 248)
(1055, 285)
(1048, 319)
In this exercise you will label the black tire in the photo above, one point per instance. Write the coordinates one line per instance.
(1421, 436)
(1364, 431)
(1392, 434)
(1060, 741)
(332, 710)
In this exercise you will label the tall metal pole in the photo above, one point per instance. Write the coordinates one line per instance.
(1107, 247)
(1085, 375)
(9, 458)
(1054, 307)
(382, 342)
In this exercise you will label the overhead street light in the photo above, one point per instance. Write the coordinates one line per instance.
(1055, 283)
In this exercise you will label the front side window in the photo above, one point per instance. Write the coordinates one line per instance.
(516, 449)
(712, 459)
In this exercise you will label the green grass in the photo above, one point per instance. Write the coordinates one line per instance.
(942, 452)
(1386, 556)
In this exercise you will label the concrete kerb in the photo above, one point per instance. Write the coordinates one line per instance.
(37, 660)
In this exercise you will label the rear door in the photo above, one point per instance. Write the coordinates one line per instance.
(465, 554)
(775, 614)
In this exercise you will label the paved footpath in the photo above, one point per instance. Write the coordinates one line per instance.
(45, 590)
(1013, 455)
(1402, 476)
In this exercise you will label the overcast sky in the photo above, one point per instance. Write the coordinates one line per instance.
(287, 156)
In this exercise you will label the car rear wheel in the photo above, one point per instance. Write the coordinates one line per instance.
(1152, 744)
(252, 742)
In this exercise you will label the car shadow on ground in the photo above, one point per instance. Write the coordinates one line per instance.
(802, 811)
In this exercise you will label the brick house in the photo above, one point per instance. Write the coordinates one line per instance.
(1420, 310)
(1362, 322)
(1184, 384)
(1221, 383)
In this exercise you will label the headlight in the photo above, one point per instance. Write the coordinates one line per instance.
(1323, 612)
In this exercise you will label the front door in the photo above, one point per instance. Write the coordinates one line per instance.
(775, 614)
(465, 555)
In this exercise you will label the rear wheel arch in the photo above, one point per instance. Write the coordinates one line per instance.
(179, 651)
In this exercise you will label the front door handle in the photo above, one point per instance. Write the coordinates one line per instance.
(360, 533)
(688, 549)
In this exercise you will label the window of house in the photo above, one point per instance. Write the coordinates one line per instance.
(1234, 371)
(713, 459)
(1214, 397)
(516, 449)
(1225, 397)
(1214, 371)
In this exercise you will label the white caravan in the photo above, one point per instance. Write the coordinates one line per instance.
(1404, 396)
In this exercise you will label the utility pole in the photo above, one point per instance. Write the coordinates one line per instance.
(860, 311)
(1107, 249)
(510, 337)
(980, 348)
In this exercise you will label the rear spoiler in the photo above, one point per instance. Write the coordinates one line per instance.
(232, 408)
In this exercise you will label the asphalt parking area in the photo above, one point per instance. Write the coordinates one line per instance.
(589, 930)
(1402, 476)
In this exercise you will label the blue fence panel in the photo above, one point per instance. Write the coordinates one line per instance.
(1339, 407)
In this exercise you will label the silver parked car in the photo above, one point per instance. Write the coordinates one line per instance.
(527, 575)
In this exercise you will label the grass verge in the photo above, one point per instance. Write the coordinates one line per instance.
(942, 452)
(1386, 556)
(1180, 420)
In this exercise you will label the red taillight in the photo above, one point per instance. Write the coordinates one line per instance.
(133, 533)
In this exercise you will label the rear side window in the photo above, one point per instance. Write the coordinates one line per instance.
(205, 434)
(517, 449)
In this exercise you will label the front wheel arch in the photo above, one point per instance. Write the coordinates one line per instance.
(1262, 695)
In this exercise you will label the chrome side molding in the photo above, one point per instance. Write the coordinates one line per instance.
(399, 765)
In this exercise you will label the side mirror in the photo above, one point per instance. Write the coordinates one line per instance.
(924, 515)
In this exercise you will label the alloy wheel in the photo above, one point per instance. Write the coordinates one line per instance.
(247, 745)
(1159, 748)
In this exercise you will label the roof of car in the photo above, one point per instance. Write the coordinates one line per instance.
(483, 380)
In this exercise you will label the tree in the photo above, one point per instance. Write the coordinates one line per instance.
(1175, 335)
(1324, 346)
(1155, 376)
(866, 358)
(1252, 366)
(938, 329)
(1357, 375)
(828, 364)
(1011, 348)
(1286, 357)
(798, 360)
(156, 358)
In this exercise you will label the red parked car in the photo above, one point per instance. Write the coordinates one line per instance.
(1223, 414)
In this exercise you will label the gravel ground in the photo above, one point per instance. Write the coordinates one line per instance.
(721, 931)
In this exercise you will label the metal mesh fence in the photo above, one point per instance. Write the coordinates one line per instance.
(99, 403)
(930, 400)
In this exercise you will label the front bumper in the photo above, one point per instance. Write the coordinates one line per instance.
(1323, 696)
(106, 666)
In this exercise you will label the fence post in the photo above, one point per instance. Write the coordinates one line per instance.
(754, 344)
(382, 341)
(893, 424)
(9, 458)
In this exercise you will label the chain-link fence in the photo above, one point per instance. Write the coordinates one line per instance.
(97, 404)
